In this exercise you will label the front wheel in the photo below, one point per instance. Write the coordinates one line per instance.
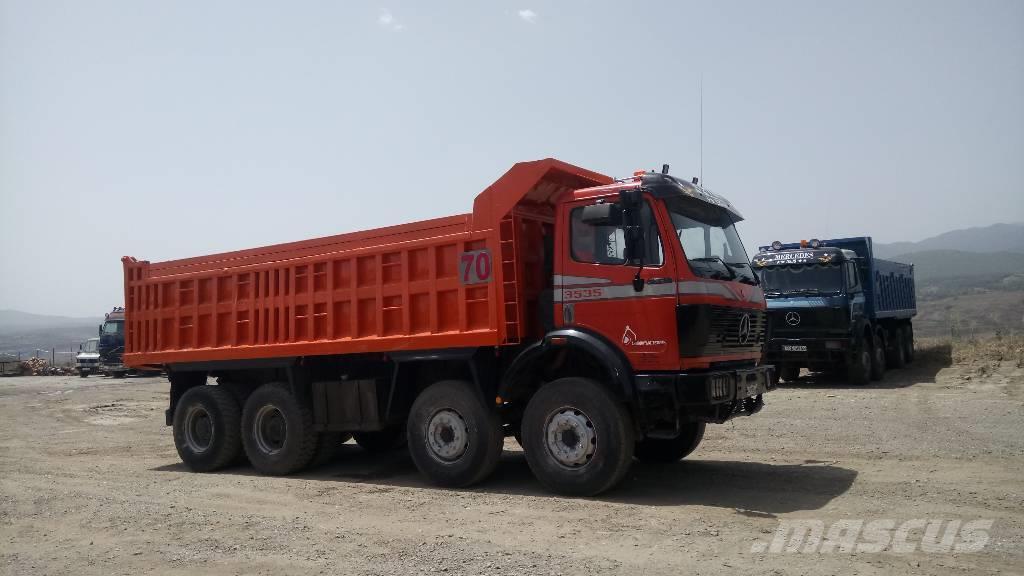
(83, 374)
(578, 438)
(858, 365)
(671, 450)
(454, 439)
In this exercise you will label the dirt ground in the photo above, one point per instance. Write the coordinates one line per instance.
(90, 483)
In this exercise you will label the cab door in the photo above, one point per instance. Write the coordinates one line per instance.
(594, 288)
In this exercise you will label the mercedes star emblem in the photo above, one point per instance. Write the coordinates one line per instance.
(744, 334)
(792, 318)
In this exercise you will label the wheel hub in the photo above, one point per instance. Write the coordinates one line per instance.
(570, 437)
(198, 429)
(447, 436)
(270, 429)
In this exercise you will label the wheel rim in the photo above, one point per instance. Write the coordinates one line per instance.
(270, 429)
(570, 437)
(447, 435)
(865, 359)
(198, 429)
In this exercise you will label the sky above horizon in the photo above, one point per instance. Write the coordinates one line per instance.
(165, 130)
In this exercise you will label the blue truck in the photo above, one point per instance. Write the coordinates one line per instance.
(834, 307)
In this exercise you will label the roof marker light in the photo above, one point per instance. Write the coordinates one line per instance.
(803, 243)
(815, 243)
(776, 245)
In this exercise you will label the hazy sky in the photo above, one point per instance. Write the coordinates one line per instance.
(171, 129)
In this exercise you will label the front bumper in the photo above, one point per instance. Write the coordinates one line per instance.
(666, 400)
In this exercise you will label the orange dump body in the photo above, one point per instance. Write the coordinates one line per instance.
(462, 281)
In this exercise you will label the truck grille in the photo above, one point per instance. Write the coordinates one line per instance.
(706, 330)
(807, 319)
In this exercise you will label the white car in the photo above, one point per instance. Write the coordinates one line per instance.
(87, 361)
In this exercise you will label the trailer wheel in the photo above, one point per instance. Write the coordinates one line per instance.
(896, 357)
(858, 365)
(206, 428)
(381, 440)
(578, 438)
(908, 343)
(671, 450)
(789, 372)
(877, 357)
(277, 431)
(454, 439)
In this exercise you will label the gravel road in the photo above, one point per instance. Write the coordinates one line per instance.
(90, 483)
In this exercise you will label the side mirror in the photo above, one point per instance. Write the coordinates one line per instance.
(632, 202)
(636, 246)
(602, 215)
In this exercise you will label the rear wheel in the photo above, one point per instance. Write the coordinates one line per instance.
(277, 431)
(671, 450)
(381, 440)
(578, 438)
(858, 365)
(789, 372)
(877, 357)
(454, 439)
(896, 356)
(206, 428)
(908, 343)
(83, 374)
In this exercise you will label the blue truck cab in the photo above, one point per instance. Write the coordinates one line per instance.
(833, 306)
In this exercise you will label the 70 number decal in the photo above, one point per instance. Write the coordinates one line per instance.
(475, 267)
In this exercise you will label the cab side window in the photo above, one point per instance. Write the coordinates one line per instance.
(607, 244)
(852, 277)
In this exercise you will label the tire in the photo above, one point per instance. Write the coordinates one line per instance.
(858, 364)
(381, 440)
(119, 374)
(578, 438)
(454, 439)
(789, 372)
(671, 450)
(908, 343)
(896, 356)
(877, 358)
(207, 429)
(277, 431)
(83, 374)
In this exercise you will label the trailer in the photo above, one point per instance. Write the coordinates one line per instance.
(566, 309)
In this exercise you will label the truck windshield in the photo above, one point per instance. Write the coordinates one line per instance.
(110, 327)
(803, 279)
(709, 240)
(90, 345)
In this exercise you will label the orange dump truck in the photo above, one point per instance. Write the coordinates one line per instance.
(596, 320)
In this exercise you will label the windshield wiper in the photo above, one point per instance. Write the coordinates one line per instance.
(732, 273)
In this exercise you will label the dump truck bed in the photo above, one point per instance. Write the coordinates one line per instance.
(444, 283)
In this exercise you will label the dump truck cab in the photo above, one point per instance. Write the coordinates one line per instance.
(111, 344)
(652, 285)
